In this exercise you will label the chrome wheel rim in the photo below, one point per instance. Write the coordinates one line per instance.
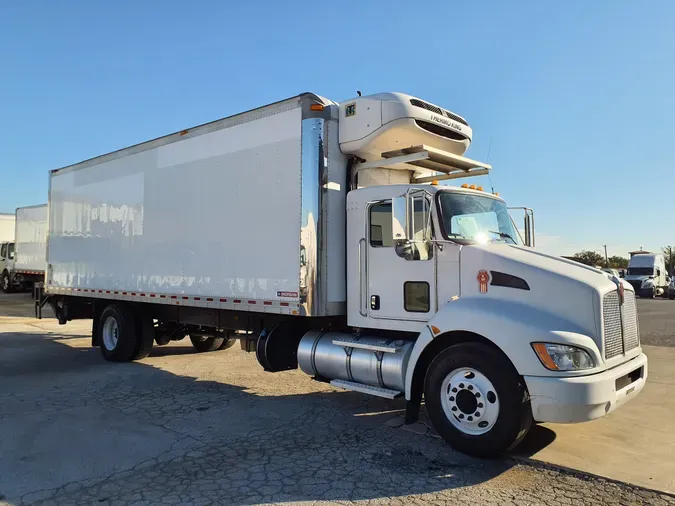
(5, 282)
(469, 401)
(110, 333)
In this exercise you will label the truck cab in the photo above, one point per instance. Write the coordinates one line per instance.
(6, 265)
(492, 333)
(648, 275)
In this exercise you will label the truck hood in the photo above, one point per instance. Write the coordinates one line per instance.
(564, 288)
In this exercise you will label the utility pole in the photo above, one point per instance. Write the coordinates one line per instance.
(606, 258)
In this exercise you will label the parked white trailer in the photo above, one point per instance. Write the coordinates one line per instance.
(7, 222)
(317, 233)
(27, 266)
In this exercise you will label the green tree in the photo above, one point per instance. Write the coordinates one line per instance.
(669, 253)
(617, 262)
(589, 258)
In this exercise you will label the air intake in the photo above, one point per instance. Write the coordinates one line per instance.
(429, 107)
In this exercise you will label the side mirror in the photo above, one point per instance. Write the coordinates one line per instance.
(399, 218)
(529, 228)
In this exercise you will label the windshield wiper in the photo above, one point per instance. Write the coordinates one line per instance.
(503, 235)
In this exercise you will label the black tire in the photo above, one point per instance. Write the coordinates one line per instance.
(515, 414)
(227, 343)
(145, 333)
(6, 283)
(203, 344)
(127, 342)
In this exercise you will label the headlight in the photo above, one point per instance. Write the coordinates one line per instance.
(647, 282)
(560, 357)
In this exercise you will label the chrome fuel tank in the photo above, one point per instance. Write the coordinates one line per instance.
(375, 361)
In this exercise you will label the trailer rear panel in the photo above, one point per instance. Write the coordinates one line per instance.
(210, 219)
(7, 224)
(30, 238)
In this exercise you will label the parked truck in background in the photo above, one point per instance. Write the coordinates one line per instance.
(6, 240)
(27, 265)
(318, 234)
(648, 275)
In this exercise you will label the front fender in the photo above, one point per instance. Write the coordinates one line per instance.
(511, 327)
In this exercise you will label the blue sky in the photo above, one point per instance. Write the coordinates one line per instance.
(577, 98)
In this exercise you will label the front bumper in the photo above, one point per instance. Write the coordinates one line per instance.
(584, 398)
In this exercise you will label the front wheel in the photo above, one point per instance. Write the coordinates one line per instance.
(6, 283)
(476, 400)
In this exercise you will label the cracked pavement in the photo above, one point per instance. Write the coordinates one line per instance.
(187, 428)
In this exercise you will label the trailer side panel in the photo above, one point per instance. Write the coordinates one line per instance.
(214, 217)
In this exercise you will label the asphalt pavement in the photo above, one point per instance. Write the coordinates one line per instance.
(656, 318)
(186, 428)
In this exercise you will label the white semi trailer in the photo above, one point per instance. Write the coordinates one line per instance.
(316, 232)
(27, 265)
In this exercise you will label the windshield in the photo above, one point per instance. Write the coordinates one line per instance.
(474, 217)
(640, 271)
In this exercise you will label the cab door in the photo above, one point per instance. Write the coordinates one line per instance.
(400, 280)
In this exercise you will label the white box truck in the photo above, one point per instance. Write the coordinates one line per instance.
(317, 233)
(27, 266)
(648, 275)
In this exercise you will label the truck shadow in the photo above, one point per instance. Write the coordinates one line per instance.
(243, 439)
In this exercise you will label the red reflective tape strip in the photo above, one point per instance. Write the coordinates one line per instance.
(123, 293)
(117, 293)
(285, 304)
(209, 299)
(237, 301)
(174, 297)
(223, 300)
(251, 301)
(108, 291)
(152, 295)
(197, 298)
(142, 294)
(267, 303)
(162, 296)
(185, 298)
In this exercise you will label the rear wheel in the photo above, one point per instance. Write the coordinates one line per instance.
(145, 337)
(476, 400)
(117, 333)
(204, 343)
(227, 343)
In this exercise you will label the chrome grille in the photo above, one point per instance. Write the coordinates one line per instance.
(621, 332)
(611, 316)
(631, 336)
(433, 108)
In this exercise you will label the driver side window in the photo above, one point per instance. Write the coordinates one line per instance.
(381, 235)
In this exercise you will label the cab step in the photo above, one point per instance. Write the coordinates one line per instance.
(366, 389)
(384, 346)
